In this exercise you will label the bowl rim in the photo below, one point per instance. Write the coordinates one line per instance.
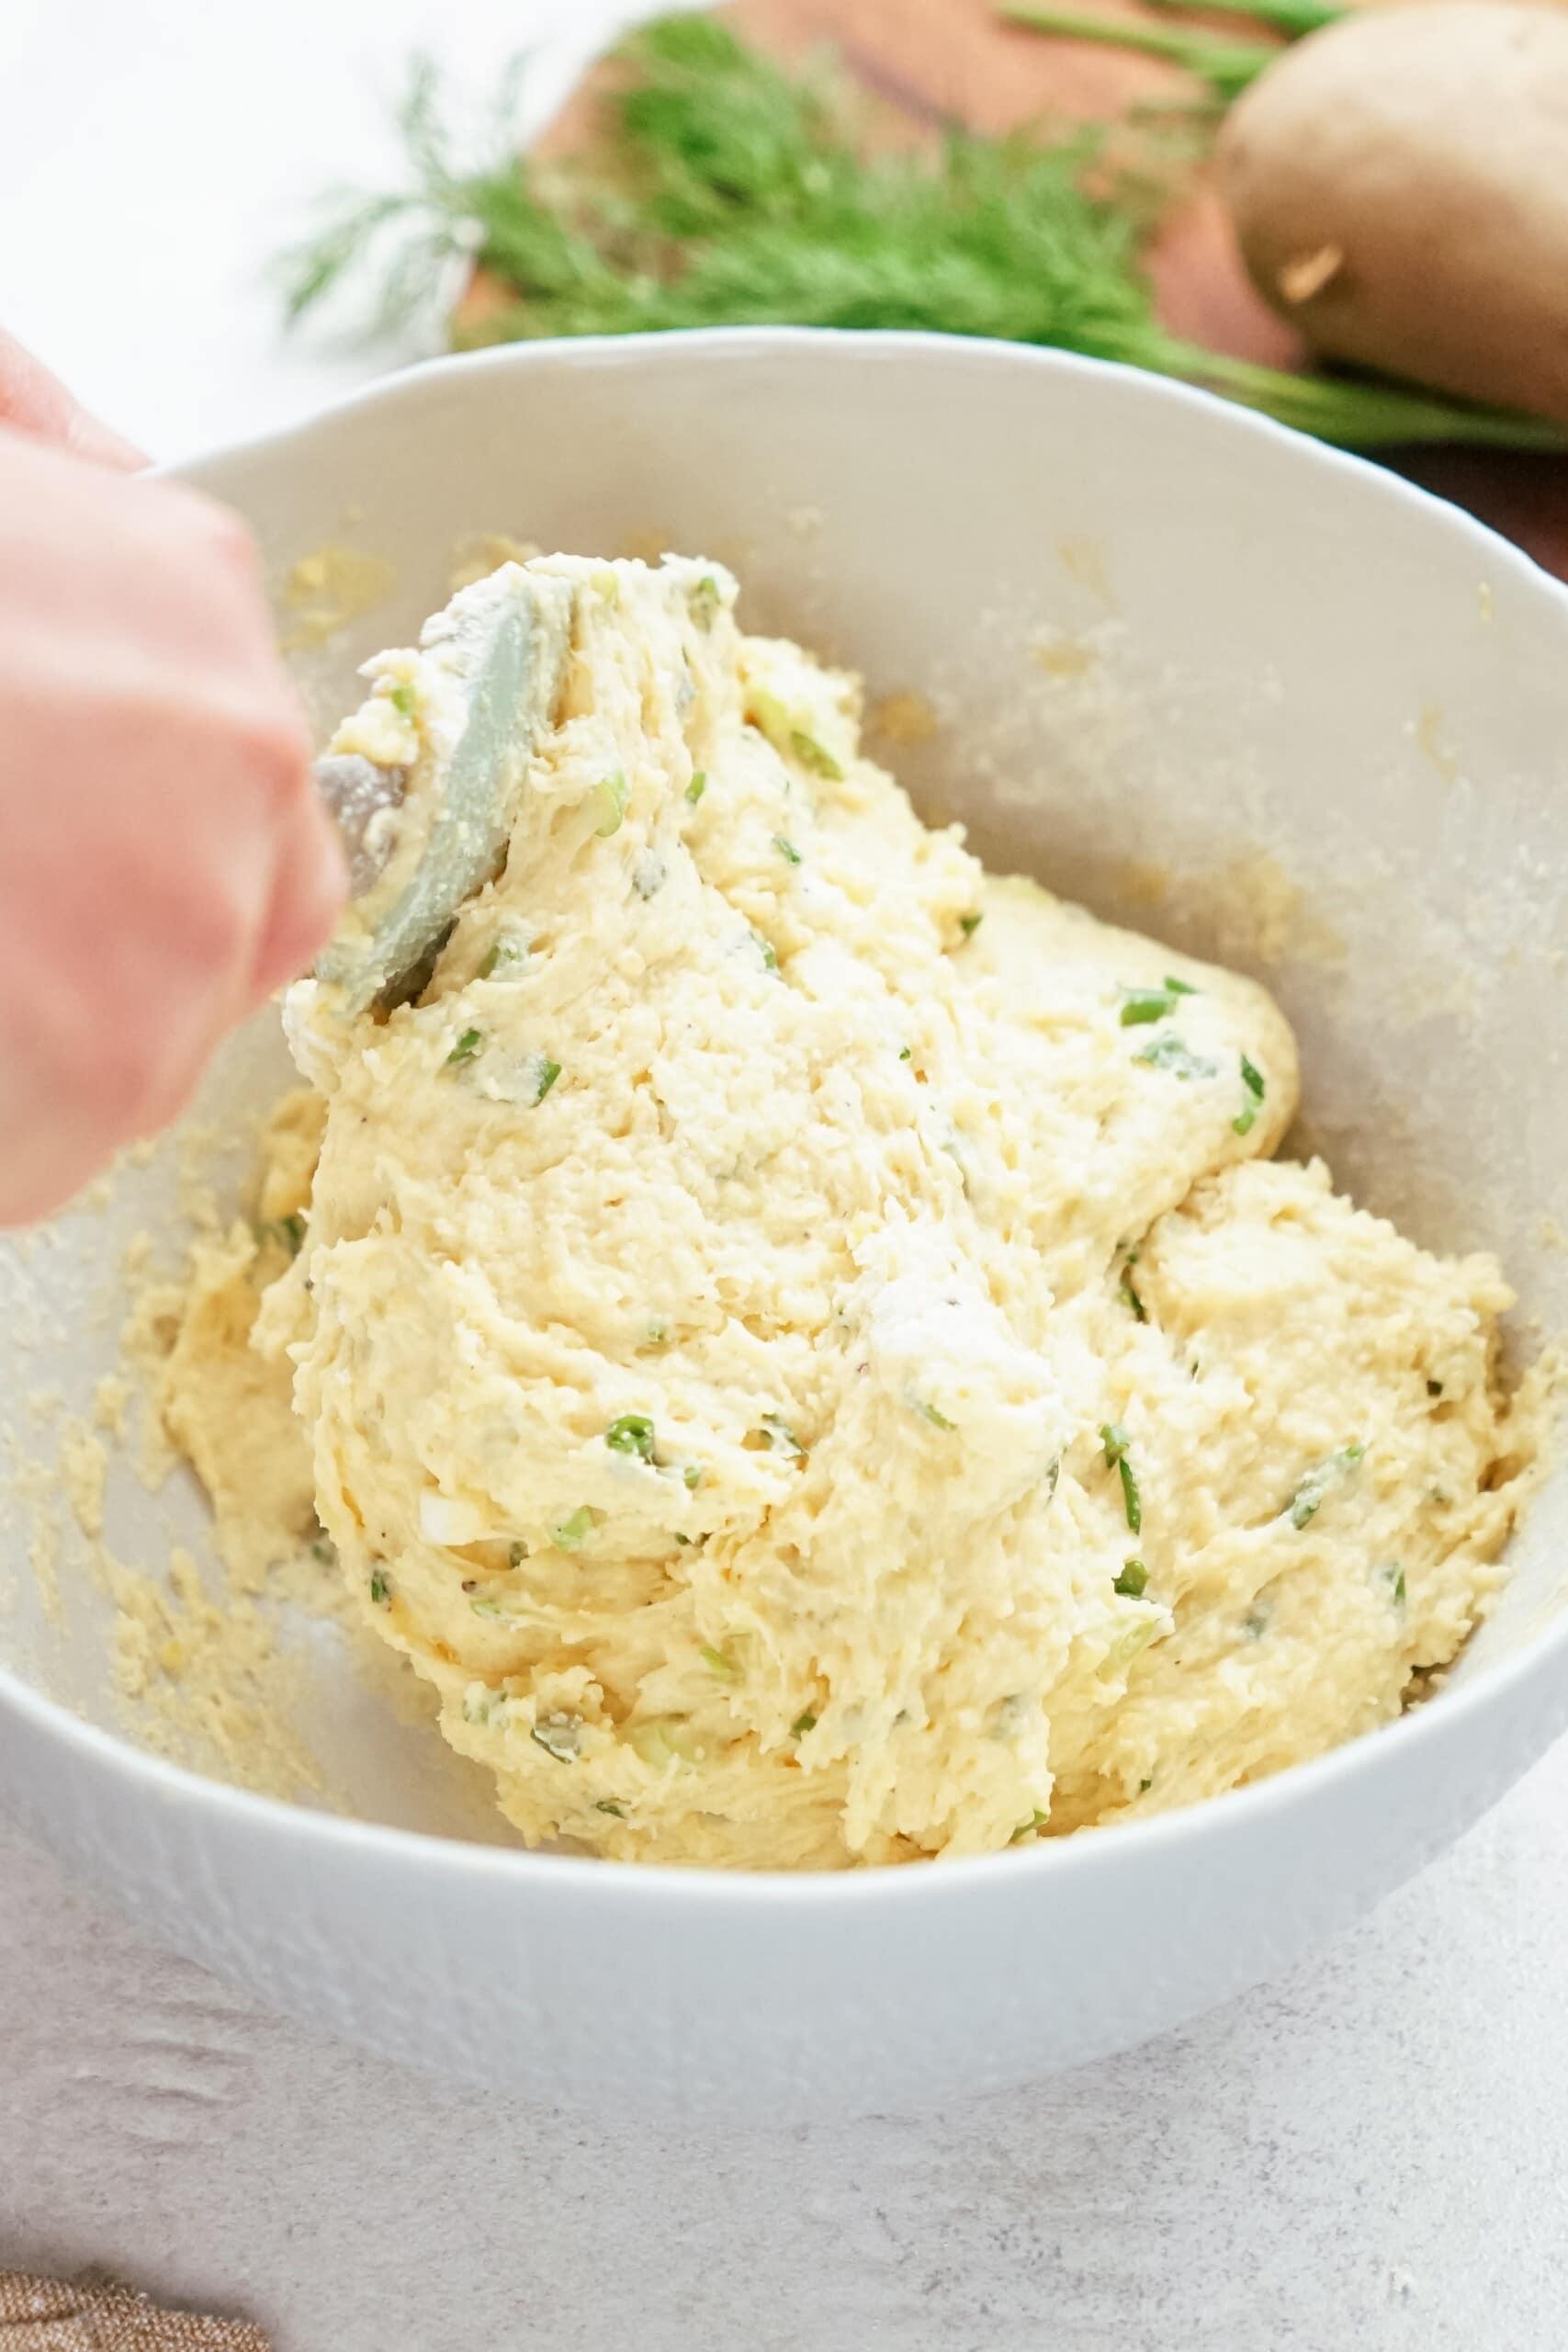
(336, 1837)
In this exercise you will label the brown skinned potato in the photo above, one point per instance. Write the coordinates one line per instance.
(1398, 186)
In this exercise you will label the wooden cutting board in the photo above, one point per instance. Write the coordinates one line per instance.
(935, 61)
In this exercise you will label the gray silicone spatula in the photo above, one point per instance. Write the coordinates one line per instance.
(420, 840)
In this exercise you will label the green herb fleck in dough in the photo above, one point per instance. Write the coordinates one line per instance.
(768, 952)
(768, 714)
(608, 1804)
(1253, 1079)
(704, 601)
(468, 1045)
(1140, 1006)
(1114, 1438)
(1130, 1495)
(718, 1663)
(803, 1723)
(632, 1433)
(1169, 1053)
(781, 1438)
(380, 1587)
(504, 954)
(548, 1072)
(1131, 1582)
(930, 1413)
(613, 792)
(574, 1532)
(1307, 1500)
(288, 1232)
(906, 1053)
(691, 1476)
(1027, 1829)
(786, 850)
(559, 1735)
(1127, 1294)
(814, 755)
(969, 924)
(404, 698)
(697, 786)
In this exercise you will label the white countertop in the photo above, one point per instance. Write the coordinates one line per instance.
(1372, 2153)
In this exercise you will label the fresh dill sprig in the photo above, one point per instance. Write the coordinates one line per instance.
(1227, 66)
(724, 190)
(1292, 18)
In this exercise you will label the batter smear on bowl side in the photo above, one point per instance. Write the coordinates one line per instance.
(803, 1342)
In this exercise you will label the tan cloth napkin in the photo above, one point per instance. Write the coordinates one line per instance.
(52, 2315)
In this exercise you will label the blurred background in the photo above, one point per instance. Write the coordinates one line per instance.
(158, 158)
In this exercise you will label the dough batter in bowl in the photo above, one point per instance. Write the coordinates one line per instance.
(803, 1343)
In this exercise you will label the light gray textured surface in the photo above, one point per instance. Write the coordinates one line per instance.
(1374, 2153)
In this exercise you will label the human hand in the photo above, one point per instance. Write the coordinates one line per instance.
(163, 862)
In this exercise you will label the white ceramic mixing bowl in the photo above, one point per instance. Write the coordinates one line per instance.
(1211, 678)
